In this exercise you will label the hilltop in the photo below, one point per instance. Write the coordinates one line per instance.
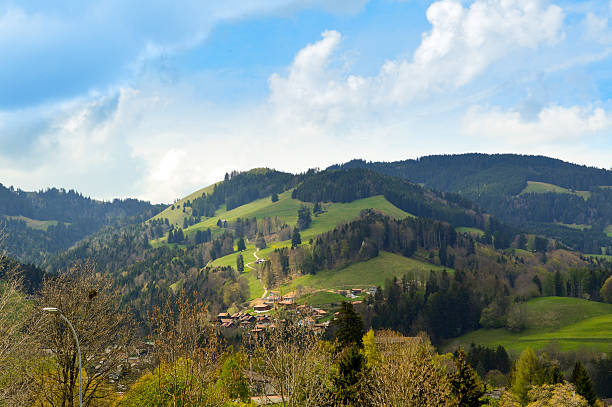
(571, 203)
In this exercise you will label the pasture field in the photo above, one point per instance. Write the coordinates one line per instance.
(608, 230)
(34, 223)
(471, 231)
(570, 323)
(543, 187)
(365, 274)
(322, 298)
(177, 215)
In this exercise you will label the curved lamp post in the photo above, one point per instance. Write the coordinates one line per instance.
(53, 310)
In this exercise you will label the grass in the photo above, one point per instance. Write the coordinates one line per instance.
(177, 215)
(543, 187)
(365, 274)
(572, 323)
(574, 226)
(608, 230)
(322, 298)
(471, 231)
(34, 223)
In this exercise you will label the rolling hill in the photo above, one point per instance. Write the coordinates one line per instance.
(570, 323)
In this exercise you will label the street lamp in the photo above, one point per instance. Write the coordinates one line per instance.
(54, 310)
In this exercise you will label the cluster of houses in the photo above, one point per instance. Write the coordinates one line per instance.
(356, 292)
(258, 323)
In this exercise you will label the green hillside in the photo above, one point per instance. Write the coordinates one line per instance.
(365, 274)
(286, 209)
(608, 230)
(543, 187)
(177, 215)
(34, 223)
(572, 323)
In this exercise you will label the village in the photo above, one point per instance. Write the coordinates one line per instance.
(259, 318)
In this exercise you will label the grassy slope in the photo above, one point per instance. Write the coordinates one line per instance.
(34, 223)
(572, 323)
(608, 230)
(542, 187)
(176, 216)
(471, 231)
(365, 274)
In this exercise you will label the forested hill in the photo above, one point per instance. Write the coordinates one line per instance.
(39, 223)
(477, 174)
(346, 185)
(569, 202)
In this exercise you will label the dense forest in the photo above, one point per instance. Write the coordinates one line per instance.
(41, 223)
(495, 182)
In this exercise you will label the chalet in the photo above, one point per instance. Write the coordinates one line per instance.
(222, 315)
(356, 291)
(262, 308)
(227, 322)
(273, 296)
(372, 290)
(319, 312)
(286, 304)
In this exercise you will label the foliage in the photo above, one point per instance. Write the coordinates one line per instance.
(555, 395)
(349, 326)
(606, 290)
(408, 373)
(88, 300)
(527, 373)
(466, 384)
(582, 381)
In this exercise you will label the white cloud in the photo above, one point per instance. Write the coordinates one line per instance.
(461, 44)
(554, 124)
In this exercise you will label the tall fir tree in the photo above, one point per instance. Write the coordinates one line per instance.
(240, 263)
(465, 382)
(349, 325)
(582, 381)
(296, 240)
(241, 244)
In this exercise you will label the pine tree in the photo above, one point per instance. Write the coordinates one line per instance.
(240, 263)
(171, 236)
(465, 382)
(350, 326)
(241, 245)
(275, 197)
(581, 379)
(527, 374)
(296, 240)
(219, 223)
(304, 218)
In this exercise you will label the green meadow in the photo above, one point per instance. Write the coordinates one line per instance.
(570, 323)
(543, 187)
(365, 274)
(34, 223)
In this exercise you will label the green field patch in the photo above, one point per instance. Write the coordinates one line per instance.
(175, 216)
(471, 231)
(322, 298)
(571, 323)
(574, 226)
(34, 223)
(371, 273)
(608, 230)
(543, 187)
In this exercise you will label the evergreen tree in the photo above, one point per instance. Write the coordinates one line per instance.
(555, 375)
(316, 209)
(581, 379)
(465, 382)
(219, 223)
(275, 197)
(347, 382)
(304, 218)
(241, 244)
(240, 263)
(350, 326)
(296, 240)
(526, 374)
(171, 236)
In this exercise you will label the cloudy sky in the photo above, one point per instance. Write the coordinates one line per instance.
(156, 99)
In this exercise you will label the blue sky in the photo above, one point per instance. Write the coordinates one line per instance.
(156, 99)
